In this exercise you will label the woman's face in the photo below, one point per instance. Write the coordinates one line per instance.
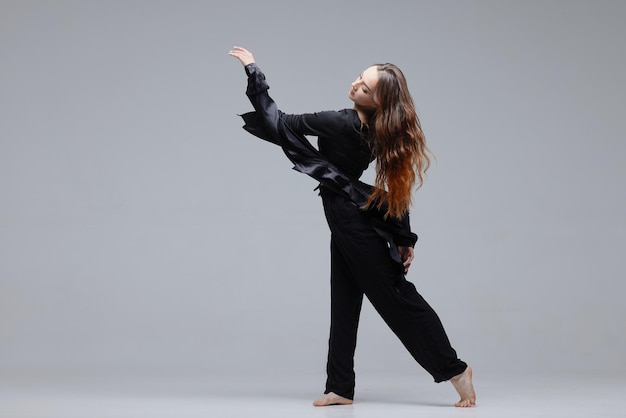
(363, 88)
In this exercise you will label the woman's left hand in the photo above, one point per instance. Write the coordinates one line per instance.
(406, 253)
(243, 55)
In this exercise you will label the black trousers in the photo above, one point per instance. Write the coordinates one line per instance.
(361, 265)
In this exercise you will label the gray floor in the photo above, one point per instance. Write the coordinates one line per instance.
(378, 396)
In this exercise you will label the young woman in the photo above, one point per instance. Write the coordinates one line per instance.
(371, 240)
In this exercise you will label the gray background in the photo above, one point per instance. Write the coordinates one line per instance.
(143, 232)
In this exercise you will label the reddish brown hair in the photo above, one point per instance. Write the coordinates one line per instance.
(398, 142)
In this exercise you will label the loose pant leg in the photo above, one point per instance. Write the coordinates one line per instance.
(409, 316)
(418, 327)
(346, 300)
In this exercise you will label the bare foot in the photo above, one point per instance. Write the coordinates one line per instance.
(332, 398)
(463, 384)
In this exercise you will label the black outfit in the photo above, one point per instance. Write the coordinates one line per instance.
(364, 255)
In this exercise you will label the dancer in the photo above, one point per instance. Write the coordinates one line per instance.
(371, 240)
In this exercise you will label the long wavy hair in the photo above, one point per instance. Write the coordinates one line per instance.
(398, 144)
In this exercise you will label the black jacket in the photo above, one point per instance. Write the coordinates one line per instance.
(337, 165)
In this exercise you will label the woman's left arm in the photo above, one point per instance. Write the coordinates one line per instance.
(407, 254)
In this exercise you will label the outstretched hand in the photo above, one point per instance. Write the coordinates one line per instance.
(243, 55)
(406, 253)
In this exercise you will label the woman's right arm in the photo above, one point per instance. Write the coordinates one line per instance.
(264, 121)
(324, 123)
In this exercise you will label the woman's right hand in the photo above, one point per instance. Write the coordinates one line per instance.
(243, 55)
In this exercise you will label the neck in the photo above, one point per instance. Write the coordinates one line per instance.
(364, 115)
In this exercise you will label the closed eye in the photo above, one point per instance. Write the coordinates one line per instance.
(368, 88)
